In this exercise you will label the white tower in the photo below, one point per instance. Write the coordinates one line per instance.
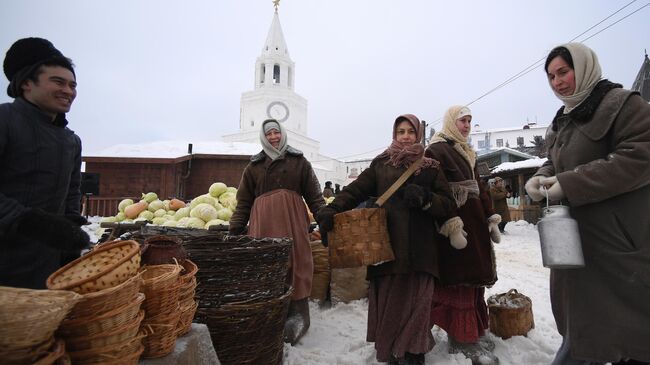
(274, 97)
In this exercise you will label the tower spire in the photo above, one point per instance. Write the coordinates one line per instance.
(276, 5)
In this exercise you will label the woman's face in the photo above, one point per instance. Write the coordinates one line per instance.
(274, 136)
(405, 133)
(464, 125)
(561, 76)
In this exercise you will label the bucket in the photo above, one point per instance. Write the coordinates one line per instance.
(560, 239)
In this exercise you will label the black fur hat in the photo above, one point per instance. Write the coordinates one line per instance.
(29, 53)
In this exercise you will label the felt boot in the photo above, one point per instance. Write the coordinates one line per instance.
(297, 322)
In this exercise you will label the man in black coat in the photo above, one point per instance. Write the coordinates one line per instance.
(40, 160)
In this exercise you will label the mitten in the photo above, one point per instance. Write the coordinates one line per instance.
(553, 188)
(417, 196)
(53, 230)
(325, 218)
(533, 188)
(493, 226)
(453, 228)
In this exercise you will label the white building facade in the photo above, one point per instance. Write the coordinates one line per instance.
(273, 97)
(506, 137)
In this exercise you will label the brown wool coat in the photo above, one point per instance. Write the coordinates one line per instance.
(291, 171)
(413, 234)
(499, 203)
(475, 264)
(603, 168)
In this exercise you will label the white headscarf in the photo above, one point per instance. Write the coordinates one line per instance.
(587, 74)
(271, 151)
(450, 131)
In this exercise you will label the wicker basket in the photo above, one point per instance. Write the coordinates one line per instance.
(248, 332)
(55, 353)
(129, 359)
(185, 322)
(104, 267)
(162, 338)
(187, 276)
(359, 238)
(88, 326)
(100, 302)
(321, 280)
(110, 352)
(117, 335)
(511, 314)
(29, 317)
(26, 355)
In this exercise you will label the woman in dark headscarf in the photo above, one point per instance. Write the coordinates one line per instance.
(400, 290)
(459, 307)
(270, 195)
(598, 153)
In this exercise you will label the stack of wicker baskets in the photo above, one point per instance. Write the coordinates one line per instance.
(28, 319)
(186, 300)
(161, 287)
(104, 326)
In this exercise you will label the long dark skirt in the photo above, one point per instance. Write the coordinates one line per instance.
(460, 311)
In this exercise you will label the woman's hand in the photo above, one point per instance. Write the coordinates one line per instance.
(325, 218)
(533, 188)
(553, 188)
(417, 196)
(493, 226)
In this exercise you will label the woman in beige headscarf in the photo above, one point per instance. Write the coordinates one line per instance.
(598, 153)
(458, 304)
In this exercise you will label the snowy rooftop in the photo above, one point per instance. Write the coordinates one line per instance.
(508, 166)
(174, 149)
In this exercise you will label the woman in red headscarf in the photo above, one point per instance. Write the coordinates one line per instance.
(400, 291)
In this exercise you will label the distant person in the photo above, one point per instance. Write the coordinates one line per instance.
(598, 153)
(40, 159)
(399, 297)
(328, 192)
(499, 196)
(337, 189)
(459, 306)
(270, 196)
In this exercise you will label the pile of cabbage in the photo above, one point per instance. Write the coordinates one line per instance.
(213, 208)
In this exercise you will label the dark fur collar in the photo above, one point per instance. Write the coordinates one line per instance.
(583, 112)
(261, 156)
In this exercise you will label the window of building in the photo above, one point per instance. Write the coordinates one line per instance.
(481, 144)
(262, 73)
(499, 142)
(252, 123)
(520, 141)
(276, 74)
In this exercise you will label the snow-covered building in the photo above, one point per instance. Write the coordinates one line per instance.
(506, 137)
(274, 97)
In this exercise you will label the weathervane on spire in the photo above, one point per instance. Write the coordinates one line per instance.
(276, 4)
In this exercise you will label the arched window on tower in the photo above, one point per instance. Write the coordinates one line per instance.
(276, 74)
(262, 73)
(289, 78)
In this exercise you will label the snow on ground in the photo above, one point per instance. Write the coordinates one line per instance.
(337, 334)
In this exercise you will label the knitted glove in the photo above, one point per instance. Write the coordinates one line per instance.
(453, 228)
(53, 230)
(325, 218)
(493, 226)
(417, 196)
(533, 188)
(553, 188)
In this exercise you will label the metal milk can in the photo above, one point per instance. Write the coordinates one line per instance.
(560, 239)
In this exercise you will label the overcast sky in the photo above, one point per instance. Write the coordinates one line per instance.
(168, 70)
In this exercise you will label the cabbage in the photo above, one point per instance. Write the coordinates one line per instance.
(228, 200)
(159, 213)
(231, 189)
(217, 189)
(170, 223)
(181, 213)
(120, 217)
(194, 222)
(127, 220)
(108, 220)
(149, 197)
(168, 216)
(159, 221)
(214, 222)
(145, 214)
(224, 214)
(124, 203)
(205, 198)
(155, 205)
(204, 211)
(182, 222)
(166, 204)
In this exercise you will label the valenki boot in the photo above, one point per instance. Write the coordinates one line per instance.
(297, 322)
(473, 351)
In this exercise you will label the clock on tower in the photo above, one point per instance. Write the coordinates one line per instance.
(278, 110)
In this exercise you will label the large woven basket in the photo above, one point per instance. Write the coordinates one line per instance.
(248, 332)
(88, 326)
(110, 352)
(162, 337)
(105, 300)
(161, 288)
(29, 317)
(511, 314)
(56, 352)
(185, 321)
(359, 238)
(104, 267)
(321, 280)
(116, 335)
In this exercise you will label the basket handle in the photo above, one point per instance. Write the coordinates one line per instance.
(511, 292)
(393, 188)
